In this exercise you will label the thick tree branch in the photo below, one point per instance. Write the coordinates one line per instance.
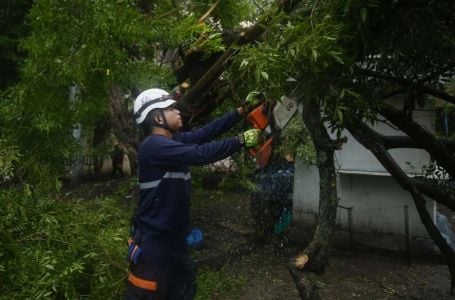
(198, 89)
(402, 141)
(418, 86)
(194, 93)
(368, 138)
(442, 195)
(422, 137)
(437, 93)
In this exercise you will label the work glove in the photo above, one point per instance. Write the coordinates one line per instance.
(252, 100)
(250, 138)
(195, 238)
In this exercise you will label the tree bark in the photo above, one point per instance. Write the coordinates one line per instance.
(417, 86)
(422, 137)
(401, 141)
(368, 138)
(100, 134)
(441, 194)
(122, 125)
(315, 256)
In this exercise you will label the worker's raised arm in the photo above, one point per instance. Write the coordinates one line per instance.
(161, 151)
(211, 130)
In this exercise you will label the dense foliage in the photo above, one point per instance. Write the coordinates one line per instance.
(69, 59)
(12, 29)
(75, 247)
(76, 53)
(62, 250)
(352, 54)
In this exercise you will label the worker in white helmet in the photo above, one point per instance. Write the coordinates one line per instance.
(161, 267)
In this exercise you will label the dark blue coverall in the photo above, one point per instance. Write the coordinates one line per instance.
(164, 269)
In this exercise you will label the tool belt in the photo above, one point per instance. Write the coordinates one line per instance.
(134, 251)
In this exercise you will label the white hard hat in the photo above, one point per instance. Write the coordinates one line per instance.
(149, 100)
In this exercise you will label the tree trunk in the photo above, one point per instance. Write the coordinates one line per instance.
(315, 256)
(100, 134)
(123, 127)
(368, 138)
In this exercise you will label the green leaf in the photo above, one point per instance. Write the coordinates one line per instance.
(363, 14)
(354, 94)
(314, 53)
(243, 64)
(265, 75)
(336, 56)
(292, 52)
(339, 115)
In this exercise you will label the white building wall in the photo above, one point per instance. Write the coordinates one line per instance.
(357, 159)
(363, 183)
(377, 201)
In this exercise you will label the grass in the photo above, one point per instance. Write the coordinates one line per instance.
(217, 284)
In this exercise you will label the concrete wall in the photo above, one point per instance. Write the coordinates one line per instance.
(107, 165)
(365, 185)
(354, 158)
(86, 166)
(378, 202)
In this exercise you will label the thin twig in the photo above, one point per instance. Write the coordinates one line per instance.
(209, 11)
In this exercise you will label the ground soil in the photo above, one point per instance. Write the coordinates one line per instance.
(371, 267)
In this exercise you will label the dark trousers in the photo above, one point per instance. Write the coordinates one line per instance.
(172, 270)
